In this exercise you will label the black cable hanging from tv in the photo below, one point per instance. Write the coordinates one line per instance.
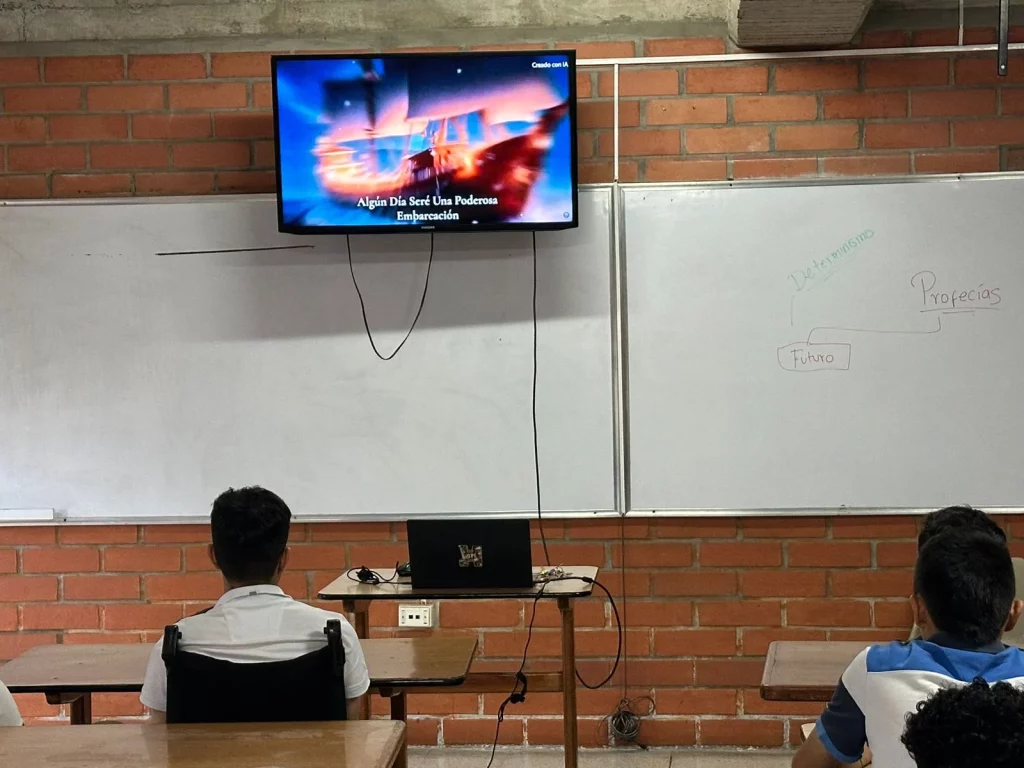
(362, 303)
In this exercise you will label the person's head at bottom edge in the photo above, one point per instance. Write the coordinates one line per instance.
(973, 726)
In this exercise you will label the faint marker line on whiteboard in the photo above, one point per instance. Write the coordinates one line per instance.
(876, 330)
(948, 311)
(236, 250)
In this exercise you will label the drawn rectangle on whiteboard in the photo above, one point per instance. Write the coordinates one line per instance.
(806, 357)
(921, 405)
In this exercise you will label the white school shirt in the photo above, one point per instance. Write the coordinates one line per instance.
(9, 714)
(257, 624)
(885, 683)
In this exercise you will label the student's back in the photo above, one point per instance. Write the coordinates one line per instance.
(260, 623)
(255, 621)
(9, 714)
(963, 601)
(887, 682)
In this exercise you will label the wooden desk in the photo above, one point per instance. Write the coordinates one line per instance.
(805, 670)
(283, 745)
(70, 674)
(356, 598)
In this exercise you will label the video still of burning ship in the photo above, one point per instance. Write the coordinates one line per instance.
(442, 141)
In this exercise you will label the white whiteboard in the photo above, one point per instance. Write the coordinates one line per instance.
(134, 384)
(919, 403)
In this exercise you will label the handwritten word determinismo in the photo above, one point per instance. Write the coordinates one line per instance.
(936, 300)
(822, 268)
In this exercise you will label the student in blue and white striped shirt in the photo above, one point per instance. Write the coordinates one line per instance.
(964, 599)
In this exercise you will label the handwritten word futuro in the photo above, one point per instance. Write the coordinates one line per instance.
(804, 356)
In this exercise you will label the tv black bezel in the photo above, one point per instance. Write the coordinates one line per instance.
(301, 229)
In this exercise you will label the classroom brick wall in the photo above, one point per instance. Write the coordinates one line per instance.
(200, 123)
(703, 597)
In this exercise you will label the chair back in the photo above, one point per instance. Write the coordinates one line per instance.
(309, 688)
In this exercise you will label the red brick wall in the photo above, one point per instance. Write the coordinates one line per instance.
(704, 596)
(200, 123)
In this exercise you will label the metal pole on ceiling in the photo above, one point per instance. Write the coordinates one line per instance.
(776, 56)
(960, 37)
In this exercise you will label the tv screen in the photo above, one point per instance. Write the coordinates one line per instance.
(441, 142)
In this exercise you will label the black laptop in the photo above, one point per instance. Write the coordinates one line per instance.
(470, 554)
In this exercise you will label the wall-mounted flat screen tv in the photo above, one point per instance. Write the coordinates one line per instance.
(459, 142)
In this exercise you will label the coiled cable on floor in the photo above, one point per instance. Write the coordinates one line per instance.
(624, 723)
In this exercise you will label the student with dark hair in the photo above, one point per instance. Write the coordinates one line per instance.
(964, 519)
(963, 601)
(255, 621)
(974, 726)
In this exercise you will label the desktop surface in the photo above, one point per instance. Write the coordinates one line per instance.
(344, 588)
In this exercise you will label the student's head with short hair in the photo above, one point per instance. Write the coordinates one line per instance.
(974, 726)
(961, 519)
(964, 586)
(250, 536)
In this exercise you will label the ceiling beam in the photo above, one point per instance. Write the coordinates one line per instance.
(793, 23)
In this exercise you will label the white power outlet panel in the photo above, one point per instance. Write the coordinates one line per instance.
(416, 616)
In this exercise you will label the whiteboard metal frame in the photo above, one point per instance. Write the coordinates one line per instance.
(619, 364)
(826, 181)
(619, 456)
(620, 355)
(808, 512)
(810, 181)
(176, 200)
(63, 521)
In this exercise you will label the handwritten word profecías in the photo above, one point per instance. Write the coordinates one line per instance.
(933, 298)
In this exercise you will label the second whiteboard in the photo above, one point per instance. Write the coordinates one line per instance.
(812, 347)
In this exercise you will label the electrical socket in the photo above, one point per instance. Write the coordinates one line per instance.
(416, 616)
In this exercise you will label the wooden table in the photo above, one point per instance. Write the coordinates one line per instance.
(356, 599)
(70, 674)
(797, 670)
(283, 745)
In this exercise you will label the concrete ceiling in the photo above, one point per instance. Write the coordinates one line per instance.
(385, 23)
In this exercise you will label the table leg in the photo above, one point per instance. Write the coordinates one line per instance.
(360, 610)
(81, 706)
(565, 607)
(399, 712)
